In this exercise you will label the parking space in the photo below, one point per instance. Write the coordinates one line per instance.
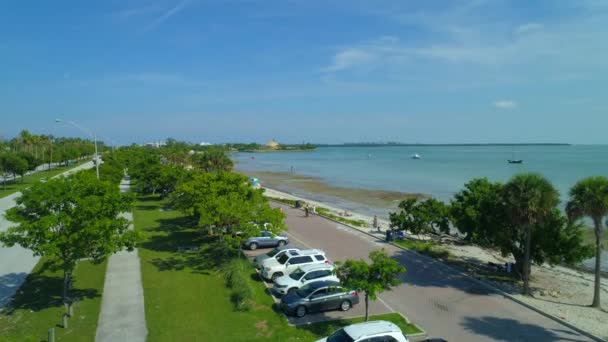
(376, 307)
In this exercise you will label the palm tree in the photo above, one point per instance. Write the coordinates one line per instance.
(529, 198)
(589, 197)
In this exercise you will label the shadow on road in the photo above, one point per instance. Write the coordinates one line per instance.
(505, 329)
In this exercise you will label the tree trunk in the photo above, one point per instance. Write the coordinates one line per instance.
(67, 279)
(526, 268)
(598, 262)
(366, 307)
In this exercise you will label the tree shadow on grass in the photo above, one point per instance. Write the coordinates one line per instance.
(41, 291)
(506, 329)
(210, 256)
(175, 224)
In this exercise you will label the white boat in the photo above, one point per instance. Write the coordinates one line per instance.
(416, 156)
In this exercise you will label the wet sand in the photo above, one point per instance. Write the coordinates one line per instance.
(373, 202)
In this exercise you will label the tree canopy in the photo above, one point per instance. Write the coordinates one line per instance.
(428, 216)
(71, 218)
(380, 275)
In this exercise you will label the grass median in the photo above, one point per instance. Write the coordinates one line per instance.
(37, 306)
(187, 297)
(21, 183)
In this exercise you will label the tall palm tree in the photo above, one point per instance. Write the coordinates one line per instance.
(529, 198)
(589, 197)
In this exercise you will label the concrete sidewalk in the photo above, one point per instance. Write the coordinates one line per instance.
(122, 316)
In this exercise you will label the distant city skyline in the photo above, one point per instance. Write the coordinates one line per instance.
(464, 71)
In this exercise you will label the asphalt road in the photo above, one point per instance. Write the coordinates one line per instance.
(434, 296)
(16, 262)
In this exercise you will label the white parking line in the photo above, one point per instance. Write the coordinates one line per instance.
(388, 306)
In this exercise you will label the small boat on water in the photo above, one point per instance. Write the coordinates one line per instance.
(515, 161)
(416, 156)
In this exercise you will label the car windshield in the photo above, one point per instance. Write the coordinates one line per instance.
(273, 252)
(305, 291)
(283, 259)
(297, 274)
(340, 336)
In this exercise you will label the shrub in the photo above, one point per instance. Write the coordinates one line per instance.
(236, 273)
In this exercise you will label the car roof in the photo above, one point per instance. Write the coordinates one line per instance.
(311, 252)
(323, 283)
(314, 267)
(359, 330)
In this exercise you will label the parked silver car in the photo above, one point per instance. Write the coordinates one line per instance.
(319, 296)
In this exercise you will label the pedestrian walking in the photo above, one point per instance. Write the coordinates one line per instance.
(375, 224)
(306, 209)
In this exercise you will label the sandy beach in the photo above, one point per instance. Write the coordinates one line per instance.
(559, 291)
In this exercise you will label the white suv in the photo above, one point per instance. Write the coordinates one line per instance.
(273, 268)
(374, 331)
(304, 275)
(275, 254)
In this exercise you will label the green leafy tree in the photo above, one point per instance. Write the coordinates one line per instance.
(428, 216)
(589, 197)
(15, 164)
(529, 199)
(225, 203)
(380, 275)
(71, 218)
(214, 159)
(477, 209)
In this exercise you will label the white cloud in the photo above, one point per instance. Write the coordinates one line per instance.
(505, 104)
(349, 58)
(166, 15)
(529, 27)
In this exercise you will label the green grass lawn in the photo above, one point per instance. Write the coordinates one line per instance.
(38, 306)
(27, 181)
(186, 299)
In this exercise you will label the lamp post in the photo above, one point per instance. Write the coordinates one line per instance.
(89, 133)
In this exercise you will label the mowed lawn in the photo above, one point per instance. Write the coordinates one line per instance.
(19, 184)
(38, 306)
(186, 298)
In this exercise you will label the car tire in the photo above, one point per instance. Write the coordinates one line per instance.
(282, 243)
(292, 290)
(275, 276)
(300, 311)
(253, 246)
(345, 305)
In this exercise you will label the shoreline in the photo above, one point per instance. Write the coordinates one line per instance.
(559, 290)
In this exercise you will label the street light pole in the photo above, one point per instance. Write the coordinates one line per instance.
(90, 134)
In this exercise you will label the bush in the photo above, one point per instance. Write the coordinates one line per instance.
(236, 273)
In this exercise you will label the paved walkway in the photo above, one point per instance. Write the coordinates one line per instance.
(122, 316)
(17, 262)
(441, 300)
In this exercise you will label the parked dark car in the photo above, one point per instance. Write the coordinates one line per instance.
(265, 240)
(319, 296)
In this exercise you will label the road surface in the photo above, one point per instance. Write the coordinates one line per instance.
(438, 298)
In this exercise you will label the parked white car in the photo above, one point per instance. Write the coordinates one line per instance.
(302, 276)
(275, 253)
(274, 268)
(368, 331)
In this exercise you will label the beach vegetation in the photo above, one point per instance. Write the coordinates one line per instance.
(589, 197)
(214, 159)
(68, 219)
(428, 216)
(327, 213)
(521, 219)
(382, 274)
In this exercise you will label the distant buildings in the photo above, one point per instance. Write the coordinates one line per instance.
(272, 144)
(156, 144)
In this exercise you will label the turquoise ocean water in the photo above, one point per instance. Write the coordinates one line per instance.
(441, 171)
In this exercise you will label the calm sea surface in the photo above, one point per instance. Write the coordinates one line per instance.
(442, 170)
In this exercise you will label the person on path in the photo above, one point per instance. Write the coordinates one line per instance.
(375, 224)
(306, 209)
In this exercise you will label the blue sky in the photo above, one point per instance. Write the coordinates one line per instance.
(307, 70)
